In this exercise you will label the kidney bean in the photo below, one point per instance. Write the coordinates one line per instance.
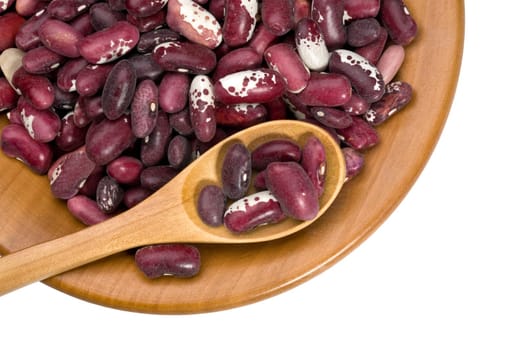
(82, 24)
(64, 100)
(331, 117)
(257, 209)
(354, 162)
(69, 173)
(236, 171)
(277, 150)
(156, 176)
(36, 88)
(240, 115)
(135, 195)
(180, 260)
(194, 22)
(109, 44)
(202, 108)
(67, 74)
(70, 136)
(101, 16)
(109, 195)
(117, 5)
(14, 116)
(173, 92)
(144, 108)
(211, 205)
(356, 105)
(42, 125)
(390, 62)
(294, 103)
(86, 210)
(8, 96)
(60, 37)
(153, 148)
(107, 139)
(276, 109)
(314, 163)
(180, 122)
(146, 67)
(372, 52)
(398, 22)
(144, 8)
(261, 39)
(239, 21)
(360, 135)
(149, 23)
(284, 59)
(66, 10)
(149, 40)
(259, 182)
(184, 57)
(10, 23)
(237, 60)
(311, 45)
(397, 96)
(329, 15)
(292, 187)
(179, 152)
(198, 147)
(89, 187)
(302, 9)
(125, 170)
(27, 8)
(27, 35)
(326, 89)
(16, 143)
(249, 86)
(355, 9)
(361, 32)
(91, 78)
(278, 15)
(119, 89)
(41, 60)
(87, 109)
(365, 77)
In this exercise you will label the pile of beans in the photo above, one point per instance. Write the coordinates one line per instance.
(111, 99)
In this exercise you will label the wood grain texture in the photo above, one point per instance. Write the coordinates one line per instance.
(234, 275)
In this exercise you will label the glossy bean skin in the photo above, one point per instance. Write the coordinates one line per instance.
(119, 89)
(390, 62)
(83, 24)
(236, 171)
(311, 45)
(153, 148)
(135, 195)
(89, 188)
(372, 51)
(354, 161)
(397, 20)
(261, 39)
(8, 96)
(184, 57)
(64, 100)
(69, 173)
(102, 16)
(42, 125)
(27, 36)
(70, 136)
(144, 108)
(278, 15)
(91, 79)
(154, 177)
(313, 161)
(16, 143)
(211, 205)
(237, 60)
(107, 139)
(109, 194)
(179, 260)
(239, 21)
(240, 115)
(283, 59)
(277, 150)
(356, 105)
(249, 212)
(397, 95)
(180, 122)
(10, 23)
(86, 210)
(329, 15)
(360, 135)
(355, 9)
(144, 8)
(66, 10)
(87, 109)
(125, 170)
(179, 152)
(60, 37)
(173, 92)
(361, 32)
(41, 60)
(67, 74)
(202, 108)
(146, 67)
(149, 40)
(28, 8)
(327, 90)
(292, 187)
(331, 117)
(149, 23)
(36, 88)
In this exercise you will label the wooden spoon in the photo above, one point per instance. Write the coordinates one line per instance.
(170, 215)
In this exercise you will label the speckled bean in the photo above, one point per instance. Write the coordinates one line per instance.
(211, 205)
(70, 136)
(240, 115)
(179, 260)
(107, 139)
(109, 194)
(356, 105)
(148, 23)
(240, 17)
(355, 9)
(119, 89)
(149, 40)
(332, 117)
(236, 171)
(311, 45)
(184, 57)
(277, 150)
(42, 125)
(144, 8)
(354, 161)
(144, 108)
(202, 108)
(329, 15)
(397, 95)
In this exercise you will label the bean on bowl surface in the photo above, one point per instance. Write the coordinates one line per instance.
(132, 91)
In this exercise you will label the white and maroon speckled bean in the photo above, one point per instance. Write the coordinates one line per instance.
(5, 4)
(42, 125)
(202, 108)
(284, 59)
(329, 15)
(240, 18)
(144, 8)
(397, 96)
(311, 45)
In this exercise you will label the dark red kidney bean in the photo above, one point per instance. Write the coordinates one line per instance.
(202, 108)
(8, 96)
(194, 22)
(64, 100)
(42, 125)
(278, 15)
(173, 91)
(146, 67)
(66, 10)
(259, 182)
(153, 148)
(179, 152)
(398, 21)
(90, 79)
(329, 15)
(284, 59)
(292, 187)
(239, 21)
(211, 205)
(366, 79)
(237, 60)
(36, 88)
(10, 23)
(361, 32)
(125, 170)
(311, 45)
(144, 108)
(276, 109)
(70, 136)
(27, 35)
(236, 171)
(67, 74)
(372, 52)
(240, 115)
(102, 16)
(144, 8)
(354, 162)
(83, 24)
(109, 195)
(87, 109)
(149, 23)
(180, 122)
(355, 9)
(41, 60)
(109, 44)
(261, 39)
(184, 57)
(119, 89)
(397, 95)
(16, 143)
(331, 117)
(216, 8)
(326, 89)
(156, 176)
(277, 150)
(356, 105)
(89, 188)
(69, 173)
(314, 163)
(149, 40)
(86, 210)
(60, 37)
(249, 86)
(179, 260)
(360, 135)
(135, 195)
(107, 139)
(257, 209)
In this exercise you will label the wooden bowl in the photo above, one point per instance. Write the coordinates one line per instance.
(236, 275)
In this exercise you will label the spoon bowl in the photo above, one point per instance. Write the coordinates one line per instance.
(170, 214)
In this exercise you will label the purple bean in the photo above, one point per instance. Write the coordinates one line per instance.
(118, 90)
(179, 152)
(184, 57)
(8, 96)
(314, 163)
(10, 23)
(360, 135)
(397, 95)
(173, 91)
(331, 117)
(87, 109)
(89, 188)
(211, 205)
(372, 52)
(397, 20)
(236, 171)
(42, 125)
(146, 67)
(180, 122)
(284, 59)
(102, 16)
(109, 195)
(135, 195)
(153, 148)
(237, 60)
(149, 40)
(354, 161)
(107, 139)
(64, 100)
(36, 88)
(144, 8)
(144, 108)
(41, 60)
(361, 32)
(27, 35)
(67, 74)
(156, 176)
(277, 150)
(202, 108)
(355, 9)
(91, 78)
(240, 115)
(148, 23)
(180, 260)
(278, 15)
(66, 10)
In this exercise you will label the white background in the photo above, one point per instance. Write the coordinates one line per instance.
(445, 271)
